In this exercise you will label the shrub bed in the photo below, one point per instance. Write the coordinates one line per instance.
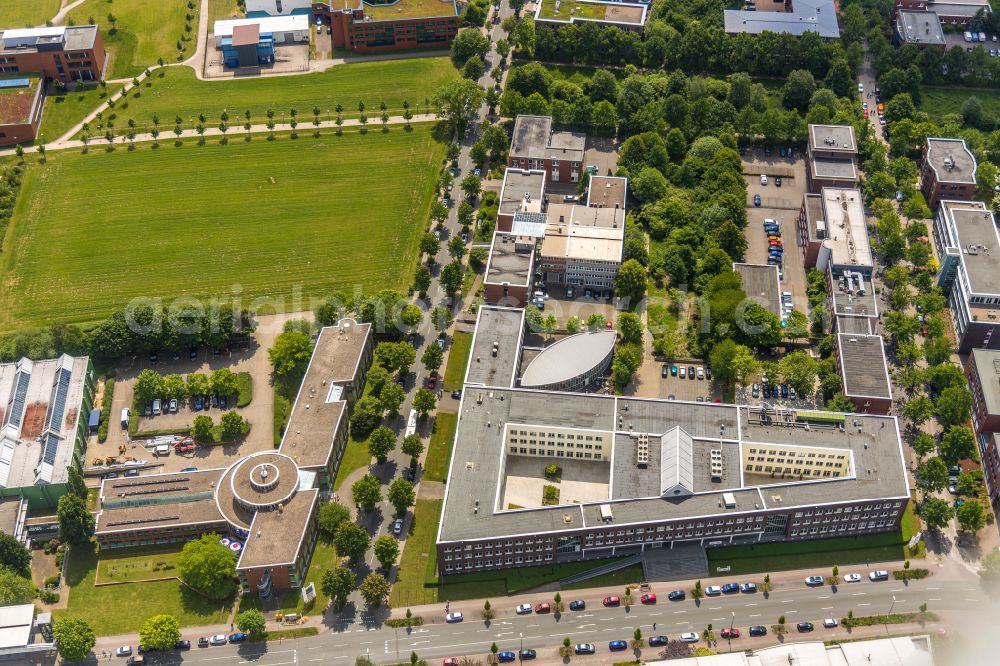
(911, 574)
(245, 396)
(895, 618)
(106, 401)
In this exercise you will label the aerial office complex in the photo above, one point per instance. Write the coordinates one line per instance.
(266, 502)
(534, 145)
(644, 473)
(947, 171)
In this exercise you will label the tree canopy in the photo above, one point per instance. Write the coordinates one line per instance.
(207, 566)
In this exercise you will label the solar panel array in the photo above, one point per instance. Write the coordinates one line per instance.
(57, 407)
(16, 410)
(138, 521)
(15, 83)
(51, 448)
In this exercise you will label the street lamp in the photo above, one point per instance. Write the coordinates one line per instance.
(892, 604)
(520, 651)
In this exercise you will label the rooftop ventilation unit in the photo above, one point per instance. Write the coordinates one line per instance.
(642, 450)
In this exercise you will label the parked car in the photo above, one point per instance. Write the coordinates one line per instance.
(584, 648)
(730, 632)
(578, 605)
(616, 646)
(506, 656)
(777, 181)
(450, 661)
(612, 601)
(156, 407)
(197, 403)
(123, 651)
(676, 595)
(755, 390)
(701, 372)
(878, 575)
(218, 639)
(203, 641)
(663, 371)
(523, 609)
(543, 608)
(237, 637)
(528, 654)
(454, 617)
(852, 578)
(397, 526)
(688, 637)
(673, 371)
(813, 581)
(690, 372)
(748, 588)
(756, 200)
(182, 644)
(757, 630)
(763, 179)
(173, 405)
(830, 622)
(456, 394)
(656, 641)
(132, 472)
(648, 598)
(682, 372)
(730, 588)
(713, 590)
(804, 626)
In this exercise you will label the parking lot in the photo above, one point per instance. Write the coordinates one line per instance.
(778, 203)
(650, 382)
(259, 412)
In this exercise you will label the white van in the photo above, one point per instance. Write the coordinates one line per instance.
(162, 450)
(967, 35)
(156, 407)
(126, 414)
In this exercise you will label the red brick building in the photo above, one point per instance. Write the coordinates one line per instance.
(534, 145)
(947, 171)
(390, 25)
(62, 53)
(20, 108)
(983, 370)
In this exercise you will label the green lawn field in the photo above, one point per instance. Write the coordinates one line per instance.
(121, 609)
(266, 219)
(458, 359)
(940, 101)
(143, 31)
(22, 13)
(222, 9)
(63, 111)
(439, 450)
(180, 93)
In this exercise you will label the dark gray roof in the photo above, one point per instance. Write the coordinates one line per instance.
(507, 265)
(819, 16)
(501, 327)
(760, 282)
(863, 366)
(831, 168)
(920, 28)
(987, 364)
(951, 160)
(833, 138)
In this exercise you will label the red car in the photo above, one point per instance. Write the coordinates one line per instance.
(181, 447)
(730, 633)
(543, 608)
(612, 601)
(451, 661)
(432, 382)
(648, 598)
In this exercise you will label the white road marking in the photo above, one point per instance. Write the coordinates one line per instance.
(677, 612)
(827, 608)
(864, 604)
(749, 605)
(755, 615)
(933, 600)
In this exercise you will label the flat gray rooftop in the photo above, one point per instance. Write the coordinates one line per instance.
(920, 28)
(814, 212)
(951, 160)
(980, 247)
(478, 459)
(507, 265)
(501, 327)
(520, 187)
(607, 191)
(848, 301)
(832, 168)
(632, 481)
(819, 16)
(863, 367)
(760, 282)
(987, 364)
(833, 138)
(856, 325)
(533, 138)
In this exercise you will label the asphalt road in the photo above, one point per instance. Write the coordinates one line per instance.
(600, 625)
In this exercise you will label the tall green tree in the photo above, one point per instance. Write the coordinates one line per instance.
(252, 623)
(386, 550)
(351, 541)
(76, 523)
(331, 515)
(74, 638)
(401, 495)
(381, 443)
(374, 589)
(14, 555)
(290, 354)
(338, 584)
(367, 492)
(207, 566)
(14, 589)
(159, 632)
(936, 512)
